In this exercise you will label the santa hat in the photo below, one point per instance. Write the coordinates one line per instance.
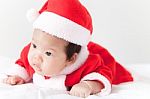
(66, 19)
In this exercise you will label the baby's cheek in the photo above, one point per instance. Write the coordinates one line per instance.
(29, 55)
(29, 59)
(46, 68)
(50, 70)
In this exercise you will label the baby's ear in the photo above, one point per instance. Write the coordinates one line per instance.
(72, 59)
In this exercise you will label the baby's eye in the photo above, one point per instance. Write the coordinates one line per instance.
(34, 46)
(48, 53)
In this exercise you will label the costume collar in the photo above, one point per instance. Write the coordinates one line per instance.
(81, 58)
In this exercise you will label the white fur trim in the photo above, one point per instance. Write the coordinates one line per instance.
(2, 77)
(81, 58)
(105, 81)
(62, 28)
(18, 70)
(56, 82)
(32, 15)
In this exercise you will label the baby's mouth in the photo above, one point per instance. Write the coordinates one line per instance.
(36, 68)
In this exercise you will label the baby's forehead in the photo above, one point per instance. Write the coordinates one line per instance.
(48, 40)
(38, 32)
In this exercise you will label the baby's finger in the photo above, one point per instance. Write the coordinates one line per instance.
(20, 82)
(5, 80)
(82, 95)
(74, 93)
(86, 95)
(12, 81)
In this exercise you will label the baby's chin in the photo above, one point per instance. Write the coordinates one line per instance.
(46, 74)
(49, 75)
(39, 72)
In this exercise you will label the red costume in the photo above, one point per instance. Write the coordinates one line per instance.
(99, 63)
(70, 20)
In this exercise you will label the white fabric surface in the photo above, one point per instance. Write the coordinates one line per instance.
(139, 89)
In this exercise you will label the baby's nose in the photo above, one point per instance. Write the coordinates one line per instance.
(37, 60)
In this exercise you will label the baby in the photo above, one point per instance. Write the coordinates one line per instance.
(60, 55)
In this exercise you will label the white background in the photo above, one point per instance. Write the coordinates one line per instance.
(121, 26)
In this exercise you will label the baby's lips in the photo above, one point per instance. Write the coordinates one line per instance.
(37, 67)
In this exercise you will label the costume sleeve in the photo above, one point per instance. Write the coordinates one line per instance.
(18, 70)
(103, 68)
(19, 67)
(100, 73)
(107, 70)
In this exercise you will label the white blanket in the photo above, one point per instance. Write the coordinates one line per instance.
(139, 89)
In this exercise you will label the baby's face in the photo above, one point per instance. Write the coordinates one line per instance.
(47, 53)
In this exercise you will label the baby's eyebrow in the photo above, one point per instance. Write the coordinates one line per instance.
(52, 49)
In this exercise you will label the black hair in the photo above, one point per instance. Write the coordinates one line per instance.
(72, 48)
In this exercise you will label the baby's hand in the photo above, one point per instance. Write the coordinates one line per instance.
(14, 80)
(81, 90)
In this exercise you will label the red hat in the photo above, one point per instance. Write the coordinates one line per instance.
(66, 19)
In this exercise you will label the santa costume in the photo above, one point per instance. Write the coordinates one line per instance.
(69, 20)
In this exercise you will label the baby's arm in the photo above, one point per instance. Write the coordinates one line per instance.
(14, 80)
(85, 88)
(15, 75)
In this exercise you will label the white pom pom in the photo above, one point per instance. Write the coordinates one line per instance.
(32, 15)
